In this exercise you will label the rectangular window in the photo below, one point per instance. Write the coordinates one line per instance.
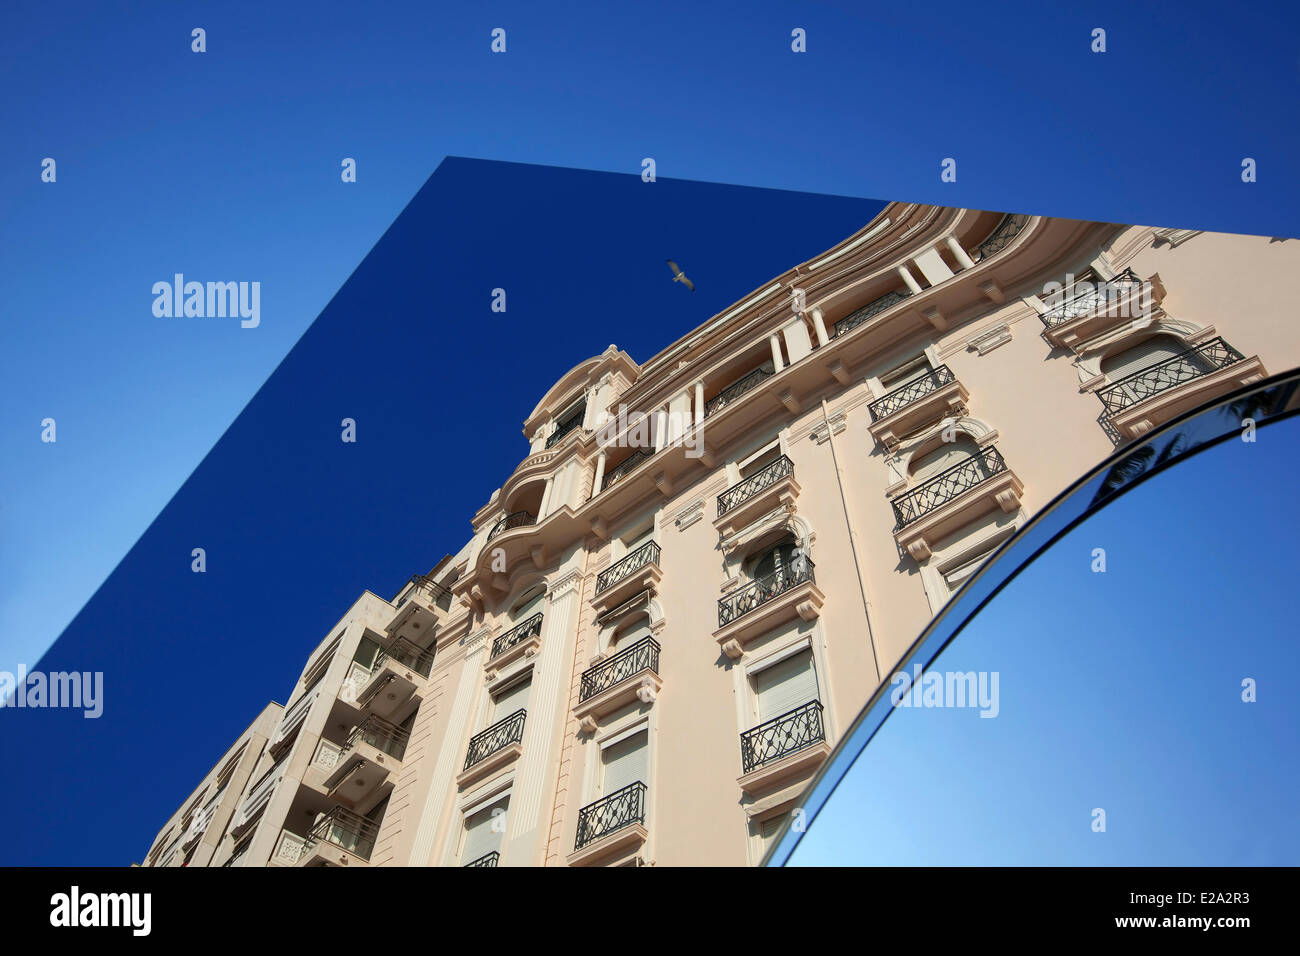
(761, 460)
(785, 685)
(902, 374)
(509, 700)
(484, 830)
(624, 763)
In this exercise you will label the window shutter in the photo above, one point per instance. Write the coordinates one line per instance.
(1144, 354)
(785, 685)
(479, 838)
(626, 762)
(768, 829)
(511, 699)
(945, 456)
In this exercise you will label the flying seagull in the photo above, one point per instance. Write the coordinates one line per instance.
(680, 276)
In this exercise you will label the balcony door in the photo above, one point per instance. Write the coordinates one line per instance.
(1146, 353)
(778, 559)
(484, 830)
(624, 763)
(947, 455)
(509, 700)
(785, 685)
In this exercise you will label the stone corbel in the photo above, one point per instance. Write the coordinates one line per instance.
(733, 650)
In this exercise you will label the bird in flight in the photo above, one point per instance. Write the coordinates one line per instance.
(680, 276)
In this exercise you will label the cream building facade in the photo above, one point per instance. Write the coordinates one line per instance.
(705, 564)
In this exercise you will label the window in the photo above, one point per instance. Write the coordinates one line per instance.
(942, 458)
(629, 634)
(1146, 353)
(483, 830)
(506, 702)
(767, 831)
(785, 685)
(529, 604)
(902, 374)
(366, 651)
(760, 461)
(624, 762)
(778, 559)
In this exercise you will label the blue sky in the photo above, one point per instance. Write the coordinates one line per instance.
(225, 166)
(1119, 690)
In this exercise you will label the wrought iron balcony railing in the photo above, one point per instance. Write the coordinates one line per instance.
(911, 390)
(738, 388)
(517, 519)
(625, 466)
(648, 553)
(381, 734)
(566, 426)
(1092, 299)
(763, 590)
(347, 830)
(487, 859)
(1209, 356)
(738, 493)
(520, 632)
(438, 594)
(643, 655)
(507, 731)
(782, 736)
(1001, 236)
(406, 653)
(620, 809)
(947, 485)
(874, 307)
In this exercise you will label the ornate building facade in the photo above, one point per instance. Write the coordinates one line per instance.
(705, 564)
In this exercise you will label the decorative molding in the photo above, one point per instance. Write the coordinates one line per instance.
(690, 514)
(831, 426)
(562, 585)
(989, 339)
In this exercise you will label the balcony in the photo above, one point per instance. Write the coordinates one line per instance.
(872, 308)
(953, 498)
(1099, 307)
(733, 392)
(771, 488)
(931, 396)
(1160, 392)
(420, 606)
(487, 859)
(259, 795)
(638, 571)
(397, 675)
(565, 427)
(624, 467)
(366, 761)
(790, 745)
(611, 828)
(339, 837)
(522, 640)
(629, 675)
(287, 729)
(765, 603)
(493, 748)
(1001, 236)
(517, 519)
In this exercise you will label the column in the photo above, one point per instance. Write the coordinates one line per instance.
(911, 282)
(546, 498)
(600, 473)
(819, 326)
(773, 341)
(959, 253)
(699, 404)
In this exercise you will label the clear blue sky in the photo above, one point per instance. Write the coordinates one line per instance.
(225, 165)
(1119, 690)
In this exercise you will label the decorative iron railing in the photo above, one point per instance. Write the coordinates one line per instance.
(507, 731)
(1001, 236)
(648, 553)
(438, 594)
(738, 493)
(782, 736)
(517, 519)
(520, 632)
(911, 390)
(874, 307)
(406, 653)
(947, 485)
(487, 859)
(1094, 298)
(763, 590)
(620, 809)
(347, 830)
(1209, 356)
(380, 734)
(738, 388)
(566, 426)
(641, 656)
(625, 466)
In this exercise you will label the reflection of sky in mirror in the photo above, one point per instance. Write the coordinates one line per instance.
(1119, 690)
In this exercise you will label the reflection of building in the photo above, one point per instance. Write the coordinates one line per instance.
(648, 647)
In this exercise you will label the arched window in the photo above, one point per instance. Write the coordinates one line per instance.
(942, 458)
(777, 560)
(1148, 352)
(628, 634)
